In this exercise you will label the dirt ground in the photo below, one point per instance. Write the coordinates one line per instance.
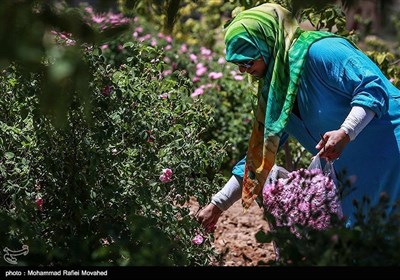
(235, 237)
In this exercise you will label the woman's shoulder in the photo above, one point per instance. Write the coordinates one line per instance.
(336, 48)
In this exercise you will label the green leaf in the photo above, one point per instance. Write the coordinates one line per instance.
(9, 155)
(262, 237)
(380, 58)
(128, 45)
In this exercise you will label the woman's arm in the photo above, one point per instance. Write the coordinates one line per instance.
(333, 142)
(228, 195)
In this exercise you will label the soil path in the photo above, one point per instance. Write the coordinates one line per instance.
(235, 237)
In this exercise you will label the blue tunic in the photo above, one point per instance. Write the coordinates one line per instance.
(337, 76)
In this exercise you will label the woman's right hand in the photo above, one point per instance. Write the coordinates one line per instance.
(332, 144)
(208, 217)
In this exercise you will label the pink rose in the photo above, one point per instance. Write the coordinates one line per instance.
(39, 203)
(107, 90)
(198, 239)
(166, 175)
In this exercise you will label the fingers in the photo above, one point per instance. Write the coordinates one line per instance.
(208, 217)
(211, 228)
(202, 217)
(199, 217)
(329, 155)
(332, 144)
(319, 145)
(329, 152)
(207, 220)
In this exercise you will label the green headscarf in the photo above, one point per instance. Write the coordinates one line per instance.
(271, 32)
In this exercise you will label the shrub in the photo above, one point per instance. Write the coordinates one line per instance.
(90, 192)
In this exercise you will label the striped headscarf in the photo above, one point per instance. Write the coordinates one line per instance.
(271, 32)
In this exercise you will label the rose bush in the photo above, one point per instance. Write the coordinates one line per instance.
(90, 192)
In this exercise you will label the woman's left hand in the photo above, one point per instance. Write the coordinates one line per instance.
(332, 144)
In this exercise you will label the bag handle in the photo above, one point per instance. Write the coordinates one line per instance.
(328, 169)
(315, 163)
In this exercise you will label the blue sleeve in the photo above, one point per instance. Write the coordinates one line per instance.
(348, 69)
(238, 169)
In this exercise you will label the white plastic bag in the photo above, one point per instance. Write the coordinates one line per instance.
(328, 169)
(281, 185)
(305, 197)
(278, 172)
